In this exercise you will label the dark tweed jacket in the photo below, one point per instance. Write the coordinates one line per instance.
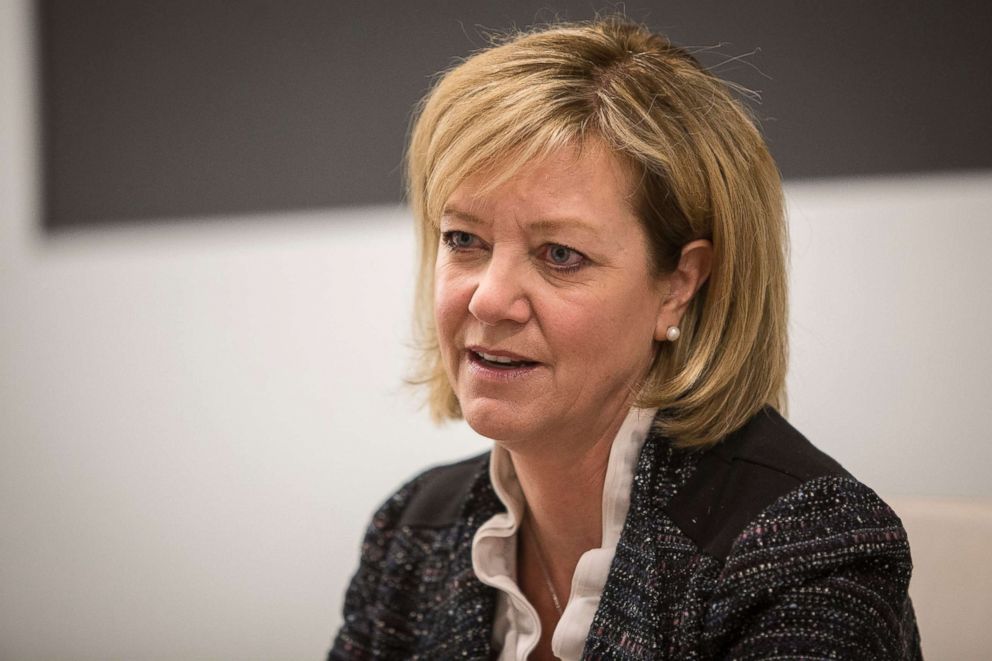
(760, 547)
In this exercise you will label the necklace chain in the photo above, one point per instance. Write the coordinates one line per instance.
(544, 567)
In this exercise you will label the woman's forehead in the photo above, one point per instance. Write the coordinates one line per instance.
(573, 175)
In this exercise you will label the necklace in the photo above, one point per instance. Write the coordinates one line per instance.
(544, 567)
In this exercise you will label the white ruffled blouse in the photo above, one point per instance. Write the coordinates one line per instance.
(517, 629)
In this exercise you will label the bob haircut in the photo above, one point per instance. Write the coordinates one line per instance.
(701, 171)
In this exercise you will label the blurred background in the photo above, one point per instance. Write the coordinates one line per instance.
(206, 275)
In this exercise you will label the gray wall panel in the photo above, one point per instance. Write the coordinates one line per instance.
(161, 109)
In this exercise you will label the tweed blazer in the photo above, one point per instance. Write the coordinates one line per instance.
(758, 547)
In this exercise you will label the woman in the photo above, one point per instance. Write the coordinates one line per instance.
(603, 294)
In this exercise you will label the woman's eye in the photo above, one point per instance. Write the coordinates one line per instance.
(458, 240)
(563, 257)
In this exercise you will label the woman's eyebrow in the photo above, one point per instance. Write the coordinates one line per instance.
(462, 215)
(544, 226)
(551, 225)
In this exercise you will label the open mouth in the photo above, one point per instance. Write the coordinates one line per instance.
(493, 361)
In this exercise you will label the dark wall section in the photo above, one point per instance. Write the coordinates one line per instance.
(157, 109)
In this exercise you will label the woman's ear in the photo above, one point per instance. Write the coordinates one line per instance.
(695, 263)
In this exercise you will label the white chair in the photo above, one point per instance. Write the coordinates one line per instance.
(951, 540)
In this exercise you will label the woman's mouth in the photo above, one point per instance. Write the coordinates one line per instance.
(497, 361)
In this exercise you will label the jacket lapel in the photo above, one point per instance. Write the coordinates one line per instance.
(633, 619)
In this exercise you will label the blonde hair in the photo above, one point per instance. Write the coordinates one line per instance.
(702, 171)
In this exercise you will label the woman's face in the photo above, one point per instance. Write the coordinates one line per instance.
(545, 303)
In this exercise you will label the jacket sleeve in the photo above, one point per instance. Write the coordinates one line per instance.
(362, 615)
(821, 573)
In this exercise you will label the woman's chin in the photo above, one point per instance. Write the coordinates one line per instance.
(499, 420)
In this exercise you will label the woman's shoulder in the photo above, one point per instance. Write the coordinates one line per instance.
(414, 552)
(766, 547)
(435, 497)
(765, 470)
(801, 543)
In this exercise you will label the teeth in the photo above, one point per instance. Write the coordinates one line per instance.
(495, 359)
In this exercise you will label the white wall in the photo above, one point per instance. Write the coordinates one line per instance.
(891, 327)
(196, 419)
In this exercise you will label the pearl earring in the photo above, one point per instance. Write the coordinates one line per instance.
(673, 333)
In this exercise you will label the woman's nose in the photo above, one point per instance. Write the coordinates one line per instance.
(500, 295)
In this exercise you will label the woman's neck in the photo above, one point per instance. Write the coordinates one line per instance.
(563, 487)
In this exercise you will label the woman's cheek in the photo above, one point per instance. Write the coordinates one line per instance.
(451, 298)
